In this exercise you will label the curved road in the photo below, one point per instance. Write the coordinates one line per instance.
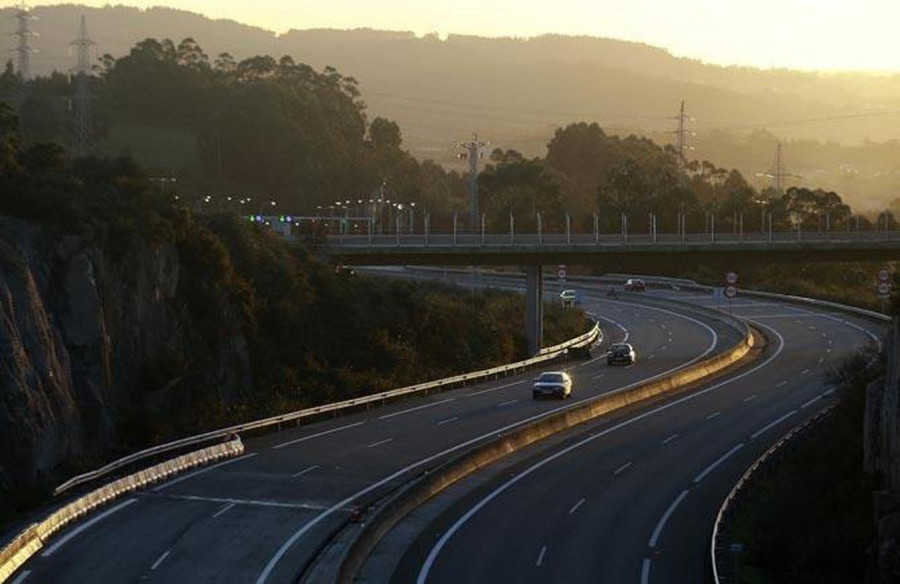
(263, 517)
(633, 497)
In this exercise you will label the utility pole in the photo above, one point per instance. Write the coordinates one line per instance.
(472, 151)
(23, 48)
(83, 139)
(681, 141)
(777, 173)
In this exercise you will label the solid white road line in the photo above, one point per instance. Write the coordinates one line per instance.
(645, 571)
(541, 555)
(160, 560)
(416, 409)
(490, 389)
(304, 471)
(202, 471)
(768, 427)
(713, 415)
(750, 399)
(662, 521)
(576, 506)
(84, 526)
(311, 436)
(379, 443)
(810, 402)
(251, 502)
(669, 439)
(305, 528)
(436, 549)
(715, 464)
(21, 577)
(447, 421)
(622, 468)
(223, 510)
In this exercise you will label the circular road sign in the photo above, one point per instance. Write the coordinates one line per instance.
(561, 273)
(884, 289)
(884, 275)
(731, 291)
(731, 278)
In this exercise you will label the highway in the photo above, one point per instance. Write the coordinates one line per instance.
(264, 516)
(631, 498)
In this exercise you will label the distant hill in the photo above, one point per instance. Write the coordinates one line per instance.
(516, 92)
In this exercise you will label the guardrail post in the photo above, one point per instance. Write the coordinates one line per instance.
(624, 228)
(653, 221)
(568, 229)
(512, 229)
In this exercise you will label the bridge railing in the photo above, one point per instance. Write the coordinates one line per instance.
(581, 240)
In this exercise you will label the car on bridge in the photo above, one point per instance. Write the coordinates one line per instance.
(552, 384)
(635, 285)
(621, 354)
(570, 298)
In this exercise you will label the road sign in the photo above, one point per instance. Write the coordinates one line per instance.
(884, 275)
(731, 278)
(884, 289)
(561, 273)
(731, 291)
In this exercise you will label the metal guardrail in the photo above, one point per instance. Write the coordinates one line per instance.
(746, 478)
(546, 354)
(32, 539)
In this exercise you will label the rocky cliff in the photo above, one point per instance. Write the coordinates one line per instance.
(94, 341)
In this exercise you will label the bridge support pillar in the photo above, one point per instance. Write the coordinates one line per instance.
(534, 308)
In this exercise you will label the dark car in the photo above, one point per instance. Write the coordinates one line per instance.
(621, 354)
(635, 285)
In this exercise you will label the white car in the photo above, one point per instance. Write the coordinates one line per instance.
(552, 384)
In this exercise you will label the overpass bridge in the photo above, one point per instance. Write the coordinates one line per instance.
(533, 250)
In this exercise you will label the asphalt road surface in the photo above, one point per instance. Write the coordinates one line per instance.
(264, 516)
(632, 498)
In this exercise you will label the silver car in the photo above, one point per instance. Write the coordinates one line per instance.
(552, 384)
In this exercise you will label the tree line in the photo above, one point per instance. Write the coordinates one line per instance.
(286, 132)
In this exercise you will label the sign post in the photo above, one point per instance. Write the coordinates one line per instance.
(884, 287)
(731, 288)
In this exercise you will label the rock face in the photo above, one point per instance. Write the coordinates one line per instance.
(85, 338)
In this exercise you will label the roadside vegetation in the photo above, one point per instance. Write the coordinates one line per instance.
(313, 334)
(807, 518)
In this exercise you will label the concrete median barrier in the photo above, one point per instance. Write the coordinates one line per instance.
(433, 481)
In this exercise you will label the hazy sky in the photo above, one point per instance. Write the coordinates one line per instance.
(806, 34)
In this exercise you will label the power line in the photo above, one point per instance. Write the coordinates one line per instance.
(473, 151)
(23, 48)
(83, 140)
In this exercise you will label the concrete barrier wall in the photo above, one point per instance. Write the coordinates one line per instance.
(434, 481)
(32, 539)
